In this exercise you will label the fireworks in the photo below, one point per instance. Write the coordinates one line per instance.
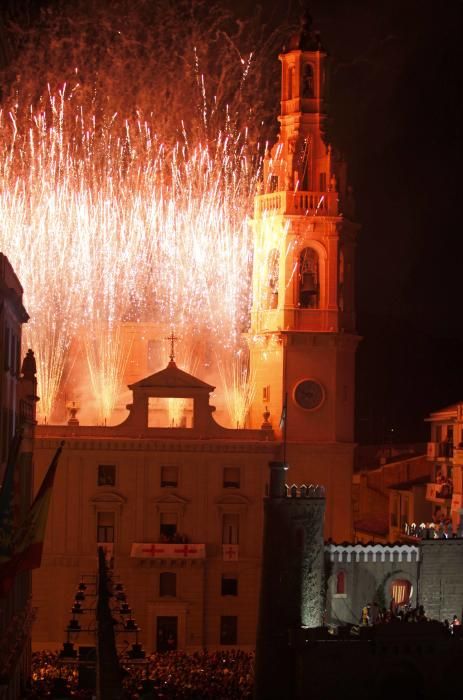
(101, 231)
(124, 200)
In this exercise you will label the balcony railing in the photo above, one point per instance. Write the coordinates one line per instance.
(163, 550)
(438, 493)
(303, 203)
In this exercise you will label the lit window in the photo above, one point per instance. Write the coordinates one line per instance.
(273, 272)
(170, 412)
(228, 629)
(308, 279)
(401, 590)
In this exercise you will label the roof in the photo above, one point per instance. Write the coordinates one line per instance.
(434, 415)
(404, 485)
(173, 377)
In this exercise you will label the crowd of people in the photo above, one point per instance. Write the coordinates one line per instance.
(372, 614)
(223, 675)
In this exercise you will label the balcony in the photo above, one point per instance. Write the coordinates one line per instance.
(167, 550)
(297, 203)
(439, 493)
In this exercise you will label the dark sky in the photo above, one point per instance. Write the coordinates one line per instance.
(395, 98)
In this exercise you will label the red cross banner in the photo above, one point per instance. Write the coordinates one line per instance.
(230, 552)
(161, 550)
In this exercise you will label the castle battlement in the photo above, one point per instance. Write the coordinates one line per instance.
(372, 552)
(304, 491)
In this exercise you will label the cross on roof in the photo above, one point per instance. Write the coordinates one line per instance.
(172, 338)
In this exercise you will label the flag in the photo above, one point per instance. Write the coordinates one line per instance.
(7, 501)
(27, 545)
(284, 412)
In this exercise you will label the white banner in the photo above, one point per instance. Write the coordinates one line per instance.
(230, 552)
(161, 550)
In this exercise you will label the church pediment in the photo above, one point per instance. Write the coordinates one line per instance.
(109, 497)
(171, 499)
(233, 499)
(171, 377)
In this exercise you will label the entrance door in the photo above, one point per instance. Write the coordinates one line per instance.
(166, 634)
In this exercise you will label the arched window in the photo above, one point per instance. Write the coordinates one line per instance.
(273, 273)
(400, 591)
(340, 583)
(309, 287)
(307, 81)
(290, 82)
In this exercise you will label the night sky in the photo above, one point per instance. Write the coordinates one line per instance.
(395, 87)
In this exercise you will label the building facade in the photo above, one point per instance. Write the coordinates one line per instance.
(177, 509)
(177, 499)
(17, 412)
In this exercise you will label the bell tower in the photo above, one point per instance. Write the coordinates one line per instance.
(302, 338)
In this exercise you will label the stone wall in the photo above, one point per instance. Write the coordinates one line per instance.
(441, 578)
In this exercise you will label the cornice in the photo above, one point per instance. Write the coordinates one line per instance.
(145, 445)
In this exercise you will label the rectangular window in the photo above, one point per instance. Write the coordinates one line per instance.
(229, 629)
(172, 412)
(322, 182)
(266, 393)
(106, 475)
(231, 477)
(230, 528)
(105, 526)
(169, 477)
(229, 585)
(167, 584)
(168, 526)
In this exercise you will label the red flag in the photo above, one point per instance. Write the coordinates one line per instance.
(28, 539)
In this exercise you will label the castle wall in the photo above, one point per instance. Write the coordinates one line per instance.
(368, 574)
(440, 577)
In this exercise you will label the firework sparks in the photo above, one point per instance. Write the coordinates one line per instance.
(117, 230)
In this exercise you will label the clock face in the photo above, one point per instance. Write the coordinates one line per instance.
(309, 394)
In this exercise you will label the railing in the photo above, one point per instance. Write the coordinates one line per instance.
(432, 531)
(302, 203)
(162, 550)
(439, 492)
(322, 320)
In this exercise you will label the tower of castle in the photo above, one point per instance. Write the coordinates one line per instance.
(302, 338)
(291, 593)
